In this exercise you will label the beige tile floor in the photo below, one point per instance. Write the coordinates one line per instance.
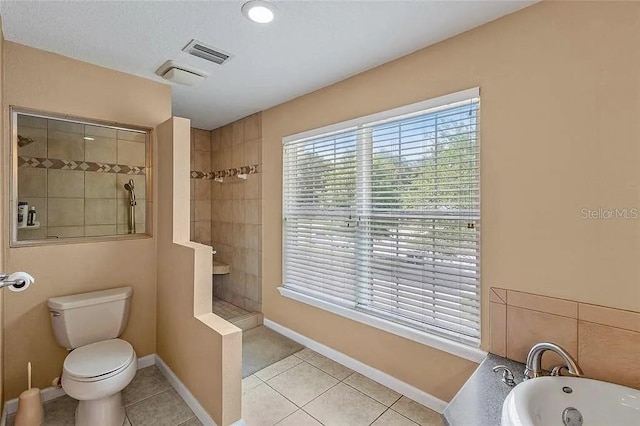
(304, 389)
(308, 389)
(149, 401)
(226, 310)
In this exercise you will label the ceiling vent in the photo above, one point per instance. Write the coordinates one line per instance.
(208, 53)
(181, 74)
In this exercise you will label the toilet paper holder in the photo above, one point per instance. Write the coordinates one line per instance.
(19, 283)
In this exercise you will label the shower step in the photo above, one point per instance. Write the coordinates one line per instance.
(248, 321)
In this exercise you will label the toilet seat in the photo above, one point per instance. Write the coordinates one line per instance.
(99, 361)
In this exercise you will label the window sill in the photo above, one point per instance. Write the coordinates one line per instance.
(436, 342)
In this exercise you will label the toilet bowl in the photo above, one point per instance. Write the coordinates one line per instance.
(95, 375)
(99, 365)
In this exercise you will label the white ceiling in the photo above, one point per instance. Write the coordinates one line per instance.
(309, 45)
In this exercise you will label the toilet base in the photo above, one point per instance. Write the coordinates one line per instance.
(107, 411)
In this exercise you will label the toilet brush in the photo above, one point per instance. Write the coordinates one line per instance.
(30, 411)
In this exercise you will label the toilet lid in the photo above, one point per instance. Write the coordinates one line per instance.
(98, 359)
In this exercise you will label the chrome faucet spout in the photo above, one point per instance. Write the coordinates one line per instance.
(534, 361)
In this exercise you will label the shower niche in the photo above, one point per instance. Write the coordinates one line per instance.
(77, 179)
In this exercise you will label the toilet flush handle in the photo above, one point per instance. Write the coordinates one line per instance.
(55, 313)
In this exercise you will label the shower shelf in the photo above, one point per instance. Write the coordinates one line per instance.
(220, 268)
(30, 227)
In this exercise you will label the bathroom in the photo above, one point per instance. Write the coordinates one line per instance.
(232, 313)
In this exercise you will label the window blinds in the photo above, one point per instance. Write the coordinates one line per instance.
(383, 217)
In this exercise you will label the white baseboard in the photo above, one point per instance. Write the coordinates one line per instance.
(53, 392)
(381, 377)
(182, 390)
(146, 361)
(47, 394)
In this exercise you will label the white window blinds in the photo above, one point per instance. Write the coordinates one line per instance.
(381, 215)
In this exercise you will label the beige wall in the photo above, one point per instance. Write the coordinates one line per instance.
(560, 89)
(44, 81)
(202, 349)
(236, 221)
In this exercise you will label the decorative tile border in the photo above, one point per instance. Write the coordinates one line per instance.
(244, 170)
(87, 166)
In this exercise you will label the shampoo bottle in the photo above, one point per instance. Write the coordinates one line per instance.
(23, 208)
(31, 219)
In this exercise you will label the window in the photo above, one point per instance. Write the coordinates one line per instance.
(382, 214)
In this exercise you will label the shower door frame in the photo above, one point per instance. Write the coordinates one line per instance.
(11, 187)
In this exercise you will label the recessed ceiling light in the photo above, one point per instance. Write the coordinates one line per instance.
(258, 11)
(87, 138)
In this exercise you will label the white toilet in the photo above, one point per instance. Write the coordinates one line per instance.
(99, 365)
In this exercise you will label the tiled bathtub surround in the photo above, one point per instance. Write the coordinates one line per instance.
(74, 174)
(236, 215)
(200, 187)
(605, 341)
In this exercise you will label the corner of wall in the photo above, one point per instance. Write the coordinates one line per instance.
(203, 350)
(3, 198)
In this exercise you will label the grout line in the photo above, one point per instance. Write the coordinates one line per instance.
(379, 402)
(369, 396)
(612, 326)
(318, 396)
(578, 334)
(387, 407)
(276, 391)
(381, 414)
(310, 415)
(150, 396)
(411, 420)
(543, 312)
(282, 420)
(281, 371)
(188, 420)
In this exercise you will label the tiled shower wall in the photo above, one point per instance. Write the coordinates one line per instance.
(57, 176)
(236, 215)
(201, 188)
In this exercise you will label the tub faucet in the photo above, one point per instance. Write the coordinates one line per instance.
(534, 361)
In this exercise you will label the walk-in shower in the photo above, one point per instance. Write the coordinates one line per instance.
(129, 186)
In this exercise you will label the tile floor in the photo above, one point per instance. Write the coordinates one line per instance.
(226, 310)
(237, 316)
(308, 389)
(304, 389)
(149, 401)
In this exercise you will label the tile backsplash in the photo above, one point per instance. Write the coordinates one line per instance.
(605, 341)
(74, 175)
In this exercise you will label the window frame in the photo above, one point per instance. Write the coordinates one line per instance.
(436, 341)
(12, 208)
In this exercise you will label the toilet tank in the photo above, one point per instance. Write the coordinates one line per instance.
(81, 319)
